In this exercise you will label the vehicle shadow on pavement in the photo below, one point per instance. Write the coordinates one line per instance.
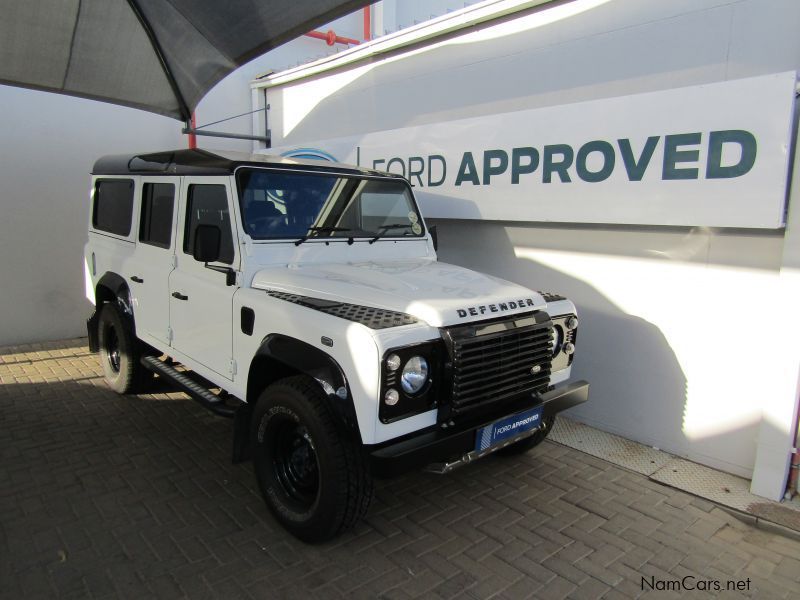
(135, 495)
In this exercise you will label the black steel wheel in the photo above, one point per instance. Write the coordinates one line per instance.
(119, 352)
(313, 476)
(531, 442)
(295, 462)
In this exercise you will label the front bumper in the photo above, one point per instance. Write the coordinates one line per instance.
(456, 445)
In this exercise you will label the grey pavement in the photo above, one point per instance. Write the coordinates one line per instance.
(103, 496)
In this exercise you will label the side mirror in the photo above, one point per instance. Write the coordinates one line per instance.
(207, 242)
(434, 237)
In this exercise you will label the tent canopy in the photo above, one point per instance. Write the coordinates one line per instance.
(162, 56)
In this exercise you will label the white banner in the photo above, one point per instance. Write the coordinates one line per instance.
(712, 155)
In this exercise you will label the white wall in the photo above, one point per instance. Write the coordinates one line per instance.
(401, 14)
(231, 96)
(671, 338)
(676, 335)
(49, 144)
(580, 50)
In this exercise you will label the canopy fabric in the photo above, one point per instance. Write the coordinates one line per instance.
(162, 56)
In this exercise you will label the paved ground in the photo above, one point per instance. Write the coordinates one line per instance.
(105, 496)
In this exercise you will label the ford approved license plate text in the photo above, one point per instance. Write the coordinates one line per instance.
(508, 427)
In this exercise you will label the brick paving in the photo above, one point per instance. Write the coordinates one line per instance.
(109, 496)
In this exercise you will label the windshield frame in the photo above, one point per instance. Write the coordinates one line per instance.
(423, 235)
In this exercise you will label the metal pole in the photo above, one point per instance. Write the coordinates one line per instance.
(222, 134)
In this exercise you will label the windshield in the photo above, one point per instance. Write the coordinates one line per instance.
(280, 205)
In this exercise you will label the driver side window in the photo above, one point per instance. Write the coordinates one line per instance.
(208, 205)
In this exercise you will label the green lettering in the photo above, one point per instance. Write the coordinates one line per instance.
(393, 161)
(517, 167)
(489, 169)
(636, 168)
(609, 158)
(673, 156)
(440, 159)
(467, 170)
(560, 167)
(412, 172)
(717, 139)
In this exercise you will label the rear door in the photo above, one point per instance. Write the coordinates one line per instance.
(201, 303)
(154, 257)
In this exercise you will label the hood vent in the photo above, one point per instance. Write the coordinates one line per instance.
(369, 316)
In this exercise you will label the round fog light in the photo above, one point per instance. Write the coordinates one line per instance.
(393, 362)
(572, 322)
(391, 397)
(569, 348)
(414, 375)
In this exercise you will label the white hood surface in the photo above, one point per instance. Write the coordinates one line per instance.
(438, 293)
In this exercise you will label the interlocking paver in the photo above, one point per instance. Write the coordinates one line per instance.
(135, 497)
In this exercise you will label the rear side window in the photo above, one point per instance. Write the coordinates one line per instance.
(208, 205)
(113, 206)
(155, 225)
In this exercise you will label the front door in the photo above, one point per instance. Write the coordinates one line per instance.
(155, 252)
(201, 303)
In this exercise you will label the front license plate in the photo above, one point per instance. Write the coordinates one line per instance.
(507, 427)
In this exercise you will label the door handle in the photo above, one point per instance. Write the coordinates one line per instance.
(137, 279)
(179, 296)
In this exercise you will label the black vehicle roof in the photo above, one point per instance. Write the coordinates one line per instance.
(217, 162)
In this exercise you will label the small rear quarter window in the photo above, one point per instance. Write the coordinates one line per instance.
(113, 206)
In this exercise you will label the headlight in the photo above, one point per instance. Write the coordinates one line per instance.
(414, 375)
(558, 339)
(409, 384)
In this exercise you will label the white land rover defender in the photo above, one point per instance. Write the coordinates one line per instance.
(304, 300)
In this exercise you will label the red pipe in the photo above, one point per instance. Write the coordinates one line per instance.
(193, 137)
(367, 24)
(331, 38)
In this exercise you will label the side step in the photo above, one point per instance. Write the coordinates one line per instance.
(210, 401)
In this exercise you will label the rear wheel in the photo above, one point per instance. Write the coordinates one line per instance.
(119, 352)
(313, 477)
(530, 442)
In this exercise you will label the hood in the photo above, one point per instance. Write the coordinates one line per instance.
(438, 293)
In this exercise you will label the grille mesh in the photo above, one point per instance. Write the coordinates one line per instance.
(494, 367)
(374, 318)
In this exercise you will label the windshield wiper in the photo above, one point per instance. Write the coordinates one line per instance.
(386, 228)
(329, 229)
(324, 229)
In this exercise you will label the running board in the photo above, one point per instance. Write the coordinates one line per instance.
(197, 392)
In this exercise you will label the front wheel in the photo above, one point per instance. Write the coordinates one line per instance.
(314, 478)
(530, 442)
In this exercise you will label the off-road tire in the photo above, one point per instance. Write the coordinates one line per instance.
(295, 409)
(529, 442)
(119, 353)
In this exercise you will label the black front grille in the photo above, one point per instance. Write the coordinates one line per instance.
(494, 361)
